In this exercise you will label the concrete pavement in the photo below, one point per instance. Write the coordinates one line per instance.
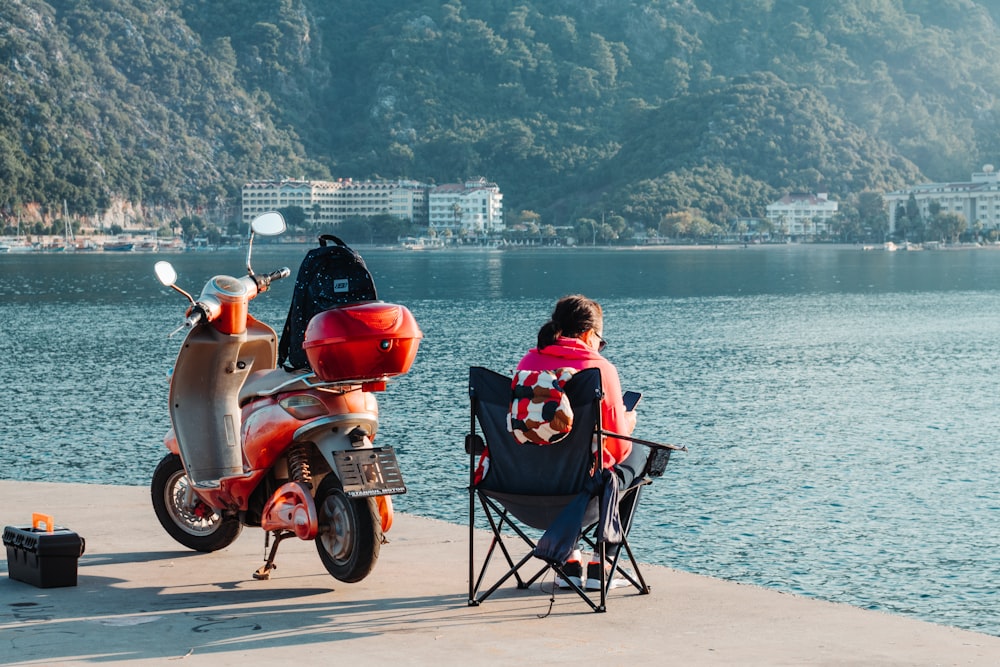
(144, 599)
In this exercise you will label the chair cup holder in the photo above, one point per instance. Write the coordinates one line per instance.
(657, 462)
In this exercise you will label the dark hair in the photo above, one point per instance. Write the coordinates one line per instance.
(573, 316)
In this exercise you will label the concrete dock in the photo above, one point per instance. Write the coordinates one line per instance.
(143, 599)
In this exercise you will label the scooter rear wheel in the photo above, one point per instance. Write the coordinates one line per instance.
(195, 525)
(350, 532)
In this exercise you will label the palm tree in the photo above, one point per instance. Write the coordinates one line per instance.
(456, 210)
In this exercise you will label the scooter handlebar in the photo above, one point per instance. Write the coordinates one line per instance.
(194, 319)
(190, 322)
(264, 281)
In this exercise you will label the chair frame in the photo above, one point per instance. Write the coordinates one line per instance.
(500, 518)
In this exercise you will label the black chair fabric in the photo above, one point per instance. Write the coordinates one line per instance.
(535, 481)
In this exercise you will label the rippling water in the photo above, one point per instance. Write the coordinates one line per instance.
(839, 405)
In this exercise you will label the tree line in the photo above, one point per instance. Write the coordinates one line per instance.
(645, 108)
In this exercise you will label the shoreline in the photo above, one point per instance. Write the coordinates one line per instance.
(9, 245)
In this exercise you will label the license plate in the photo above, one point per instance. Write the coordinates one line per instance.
(369, 472)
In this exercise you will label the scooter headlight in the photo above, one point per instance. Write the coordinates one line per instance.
(303, 406)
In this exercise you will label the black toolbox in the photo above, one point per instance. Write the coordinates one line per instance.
(43, 556)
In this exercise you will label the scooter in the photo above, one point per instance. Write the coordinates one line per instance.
(290, 452)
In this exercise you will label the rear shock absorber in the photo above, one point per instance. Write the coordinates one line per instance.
(298, 464)
(284, 503)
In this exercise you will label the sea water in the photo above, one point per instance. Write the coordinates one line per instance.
(839, 406)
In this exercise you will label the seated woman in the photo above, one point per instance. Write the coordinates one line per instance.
(573, 338)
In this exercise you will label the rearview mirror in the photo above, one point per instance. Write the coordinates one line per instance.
(165, 273)
(268, 224)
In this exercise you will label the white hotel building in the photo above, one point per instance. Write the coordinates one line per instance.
(475, 206)
(802, 214)
(335, 201)
(977, 200)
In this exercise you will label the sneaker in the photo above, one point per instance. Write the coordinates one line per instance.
(594, 577)
(573, 569)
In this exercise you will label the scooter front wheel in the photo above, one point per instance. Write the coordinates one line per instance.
(186, 518)
(350, 532)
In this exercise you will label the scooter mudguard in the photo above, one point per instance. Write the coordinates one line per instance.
(170, 442)
(291, 508)
(385, 511)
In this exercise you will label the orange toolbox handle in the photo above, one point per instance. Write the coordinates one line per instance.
(45, 521)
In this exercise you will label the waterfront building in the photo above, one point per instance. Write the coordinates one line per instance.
(976, 200)
(474, 207)
(332, 202)
(406, 200)
(802, 214)
(262, 196)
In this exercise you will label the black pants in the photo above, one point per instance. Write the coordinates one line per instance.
(633, 465)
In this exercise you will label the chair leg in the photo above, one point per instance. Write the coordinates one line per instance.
(498, 517)
(631, 503)
(497, 524)
(604, 577)
(472, 541)
(640, 584)
(475, 583)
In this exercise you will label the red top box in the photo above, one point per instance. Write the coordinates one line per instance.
(362, 341)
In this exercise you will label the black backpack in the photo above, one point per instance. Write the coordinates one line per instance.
(329, 276)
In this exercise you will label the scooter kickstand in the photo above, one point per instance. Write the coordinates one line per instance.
(264, 571)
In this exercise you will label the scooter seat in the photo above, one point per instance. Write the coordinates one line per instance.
(270, 382)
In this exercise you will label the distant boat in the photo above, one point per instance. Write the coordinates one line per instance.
(121, 246)
(4, 247)
(147, 246)
(20, 246)
(171, 245)
(890, 246)
(423, 243)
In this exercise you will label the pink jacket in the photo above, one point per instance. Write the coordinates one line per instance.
(574, 353)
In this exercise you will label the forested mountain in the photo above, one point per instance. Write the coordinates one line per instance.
(573, 107)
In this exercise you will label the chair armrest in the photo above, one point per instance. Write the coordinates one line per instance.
(648, 443)
(474, 444)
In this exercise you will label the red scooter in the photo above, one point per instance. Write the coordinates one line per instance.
(290, 452)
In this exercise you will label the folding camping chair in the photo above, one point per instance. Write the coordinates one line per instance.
(528, 486)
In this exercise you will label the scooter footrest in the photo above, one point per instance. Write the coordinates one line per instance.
(369, 472)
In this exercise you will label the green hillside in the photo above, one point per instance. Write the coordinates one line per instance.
(574, 107)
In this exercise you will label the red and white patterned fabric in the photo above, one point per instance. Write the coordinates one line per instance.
(540, 412)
